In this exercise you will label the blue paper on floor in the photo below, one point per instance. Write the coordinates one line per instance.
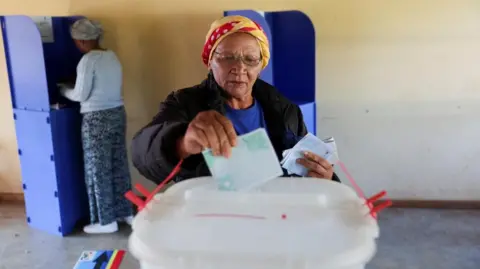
(100, 259)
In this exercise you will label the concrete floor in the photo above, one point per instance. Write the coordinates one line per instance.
(410, 239)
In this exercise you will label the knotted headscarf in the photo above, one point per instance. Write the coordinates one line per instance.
(85, 29)
(228, 25)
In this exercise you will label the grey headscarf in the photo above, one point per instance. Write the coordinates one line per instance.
(85, 29)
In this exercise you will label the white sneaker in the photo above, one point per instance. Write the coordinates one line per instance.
(128, 220)
(96, 228)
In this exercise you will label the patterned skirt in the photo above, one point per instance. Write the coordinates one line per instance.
(107, 175)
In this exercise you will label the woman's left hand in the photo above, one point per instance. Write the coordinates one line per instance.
(317, 166)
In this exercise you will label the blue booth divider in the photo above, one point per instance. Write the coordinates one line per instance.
(292, 66)
(49, 139)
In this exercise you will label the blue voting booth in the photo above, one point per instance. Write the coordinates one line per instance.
(292, 65)
(40, 54)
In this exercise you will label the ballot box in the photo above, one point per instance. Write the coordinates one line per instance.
(287, 223)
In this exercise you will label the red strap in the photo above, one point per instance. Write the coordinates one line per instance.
(149, 196)
(352, 181)
(369, 201)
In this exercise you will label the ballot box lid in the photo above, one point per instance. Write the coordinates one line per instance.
(286, 223)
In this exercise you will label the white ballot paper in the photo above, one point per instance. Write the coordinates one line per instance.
(252, 162)
(326, 149)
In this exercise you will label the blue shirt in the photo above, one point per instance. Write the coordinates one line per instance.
(246, 120)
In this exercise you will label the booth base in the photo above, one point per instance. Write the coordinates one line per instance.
(52, 172)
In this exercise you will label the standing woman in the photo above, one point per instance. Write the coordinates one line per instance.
(98, 88)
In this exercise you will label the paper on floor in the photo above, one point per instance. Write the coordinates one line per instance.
(109, 259)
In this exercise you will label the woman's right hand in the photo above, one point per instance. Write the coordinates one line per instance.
(209, 129)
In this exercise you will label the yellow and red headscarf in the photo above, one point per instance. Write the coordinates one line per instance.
(228, 25)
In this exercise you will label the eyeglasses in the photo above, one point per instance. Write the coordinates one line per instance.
(232, 59)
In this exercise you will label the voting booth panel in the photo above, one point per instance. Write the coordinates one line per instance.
(40, 53)
(37, 63)
(292, 65)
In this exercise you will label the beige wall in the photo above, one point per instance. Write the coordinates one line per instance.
(34, 7)
(10, 179)
(397, 81)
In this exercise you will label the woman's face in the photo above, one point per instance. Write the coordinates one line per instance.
(236, 64)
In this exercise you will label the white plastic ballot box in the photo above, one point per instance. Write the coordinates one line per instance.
(288, 223)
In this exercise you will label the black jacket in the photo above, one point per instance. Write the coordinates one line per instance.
(153, 147)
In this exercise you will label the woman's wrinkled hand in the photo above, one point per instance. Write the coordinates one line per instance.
(317, 166)
(209, 129)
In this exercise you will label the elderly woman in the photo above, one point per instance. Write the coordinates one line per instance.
(98, 88)
(232, 101)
